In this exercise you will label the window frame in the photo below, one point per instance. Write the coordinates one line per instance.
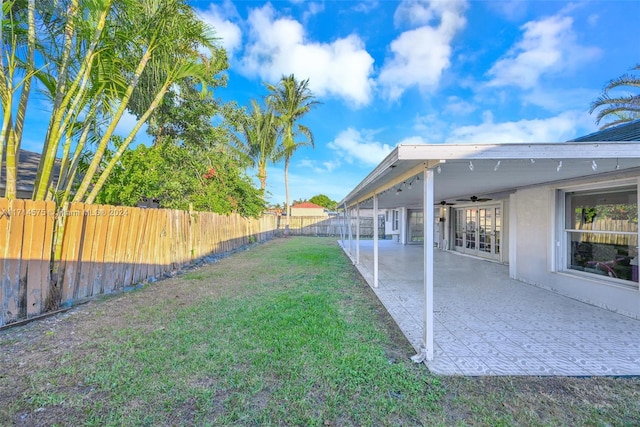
(564, 233)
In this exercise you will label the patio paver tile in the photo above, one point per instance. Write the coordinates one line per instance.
(488, 324)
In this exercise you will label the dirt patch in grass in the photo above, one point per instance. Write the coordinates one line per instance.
(191, 351)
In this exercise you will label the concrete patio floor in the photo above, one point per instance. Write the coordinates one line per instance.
(488, 324)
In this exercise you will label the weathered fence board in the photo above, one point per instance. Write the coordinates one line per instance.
(12, 284)
(25, 245)
(103, 249)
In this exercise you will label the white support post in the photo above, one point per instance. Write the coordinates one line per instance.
(375, 240)
(342, 225)
(426, 352)
(358, 234)
(349, 227)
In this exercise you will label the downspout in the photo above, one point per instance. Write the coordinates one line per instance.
(426, 350)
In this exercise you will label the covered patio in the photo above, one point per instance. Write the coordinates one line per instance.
(488, 324)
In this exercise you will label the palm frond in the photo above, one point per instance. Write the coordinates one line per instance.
(623, 108)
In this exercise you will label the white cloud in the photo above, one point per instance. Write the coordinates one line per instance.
(420, 55)
(323, 167)
(458, 106)
(229, 33)
(352, 144)
(547, 46)
(278, 46)
(415, 140)
(513, 10)
(560, 99)
(313, 9)
(366, 6)
(554, 129)
(331, 165)
(431, 127)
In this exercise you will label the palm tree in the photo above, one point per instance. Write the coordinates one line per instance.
(169, 37)
(260, 140)
(623, 108)
(291, 100)
(15, 74)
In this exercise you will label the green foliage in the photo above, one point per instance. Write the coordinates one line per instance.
(190, 162)
(324, 201)
(291, 100)
(260, 139)
(622, 108)
(298, 201)
(97, 59)
(182, 175)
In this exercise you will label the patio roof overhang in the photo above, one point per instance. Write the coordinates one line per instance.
(486, 170)
(427, 174)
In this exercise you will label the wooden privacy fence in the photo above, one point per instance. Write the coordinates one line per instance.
(102, 249)
(326, 226)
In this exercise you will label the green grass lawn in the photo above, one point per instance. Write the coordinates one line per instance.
(285, 333)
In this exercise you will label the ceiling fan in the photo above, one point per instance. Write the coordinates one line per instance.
(474, 199)
(445, 203)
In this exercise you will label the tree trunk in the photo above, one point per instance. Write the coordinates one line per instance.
(11, 164)
(15, 134)
(286, 191)
(125, 144)
(67, 101)
(106, 137)
(47, 160)
(262, 176)
(4, 135)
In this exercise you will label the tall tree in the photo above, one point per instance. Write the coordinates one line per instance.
(623, 108)
(169, 39)
(324, 201)
(260, 132)
(291, 100)
(102, 59)
(190, 162)
(16, 74)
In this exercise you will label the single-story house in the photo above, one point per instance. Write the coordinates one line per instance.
(563, 216)
(308, 209)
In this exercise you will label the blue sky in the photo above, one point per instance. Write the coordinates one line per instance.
(390, 72)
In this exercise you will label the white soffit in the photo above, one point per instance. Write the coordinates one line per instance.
(563, 150)
(496, 168)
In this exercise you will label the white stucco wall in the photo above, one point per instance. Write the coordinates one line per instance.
(533, 211)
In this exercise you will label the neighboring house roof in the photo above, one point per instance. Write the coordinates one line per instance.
(307, 205)
(629, 131)
(27, 170)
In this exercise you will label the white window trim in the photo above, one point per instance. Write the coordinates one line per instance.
(395, 221)
(561, 231)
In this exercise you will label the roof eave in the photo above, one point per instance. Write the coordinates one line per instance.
(564, 150)
(383, 168)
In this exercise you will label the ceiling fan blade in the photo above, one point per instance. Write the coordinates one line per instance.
(474, 199)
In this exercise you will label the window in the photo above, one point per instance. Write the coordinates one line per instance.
(601, 231)
(396, 220)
